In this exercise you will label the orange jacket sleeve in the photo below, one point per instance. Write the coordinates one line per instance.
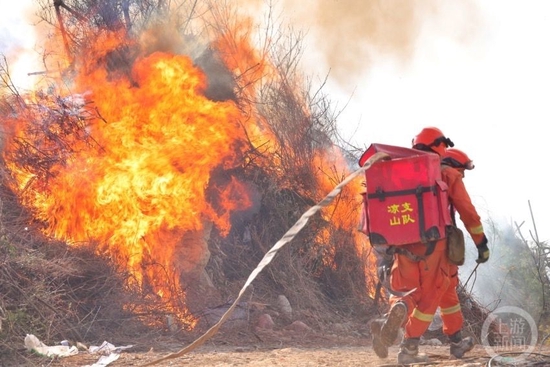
(460, 199)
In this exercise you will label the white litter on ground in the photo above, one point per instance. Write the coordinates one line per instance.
(108, 352)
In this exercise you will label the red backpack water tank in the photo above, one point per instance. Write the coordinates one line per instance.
(406, 200)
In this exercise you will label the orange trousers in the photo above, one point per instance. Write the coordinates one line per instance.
(435, 280)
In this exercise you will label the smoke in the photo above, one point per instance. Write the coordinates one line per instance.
(511, 277)
(13, 34)
(17, 41)
(350, 36)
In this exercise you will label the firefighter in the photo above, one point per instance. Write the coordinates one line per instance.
(429, 273)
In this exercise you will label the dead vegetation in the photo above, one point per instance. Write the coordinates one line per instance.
(52, 290)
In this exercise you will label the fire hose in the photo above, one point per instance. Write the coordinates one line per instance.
(287, 237)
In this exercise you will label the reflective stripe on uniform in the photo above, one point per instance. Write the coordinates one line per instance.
(477, 230)
(450, 310)
(422, 316)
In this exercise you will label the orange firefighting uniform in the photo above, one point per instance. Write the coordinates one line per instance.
(434, 277)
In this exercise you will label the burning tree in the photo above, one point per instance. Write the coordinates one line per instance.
(168, 140)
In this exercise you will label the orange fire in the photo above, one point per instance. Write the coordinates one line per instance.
(135, 178)
(343, 214)
(143, 185)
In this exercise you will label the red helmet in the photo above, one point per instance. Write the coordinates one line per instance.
(432, 139)
(457, 158)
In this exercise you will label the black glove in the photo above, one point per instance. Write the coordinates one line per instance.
(482, 251)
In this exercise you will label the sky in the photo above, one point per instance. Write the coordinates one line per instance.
(478, 70)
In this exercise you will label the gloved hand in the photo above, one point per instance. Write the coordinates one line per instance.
(482, 251)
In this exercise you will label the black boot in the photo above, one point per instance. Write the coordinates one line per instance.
(459, 345)
(408, 352)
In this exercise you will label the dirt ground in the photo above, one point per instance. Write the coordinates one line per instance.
(280, 348)
(223, 356)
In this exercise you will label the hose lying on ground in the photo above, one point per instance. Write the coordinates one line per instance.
(287, 237)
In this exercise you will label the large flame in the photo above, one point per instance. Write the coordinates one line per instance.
(141, 186)
(132, 172)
